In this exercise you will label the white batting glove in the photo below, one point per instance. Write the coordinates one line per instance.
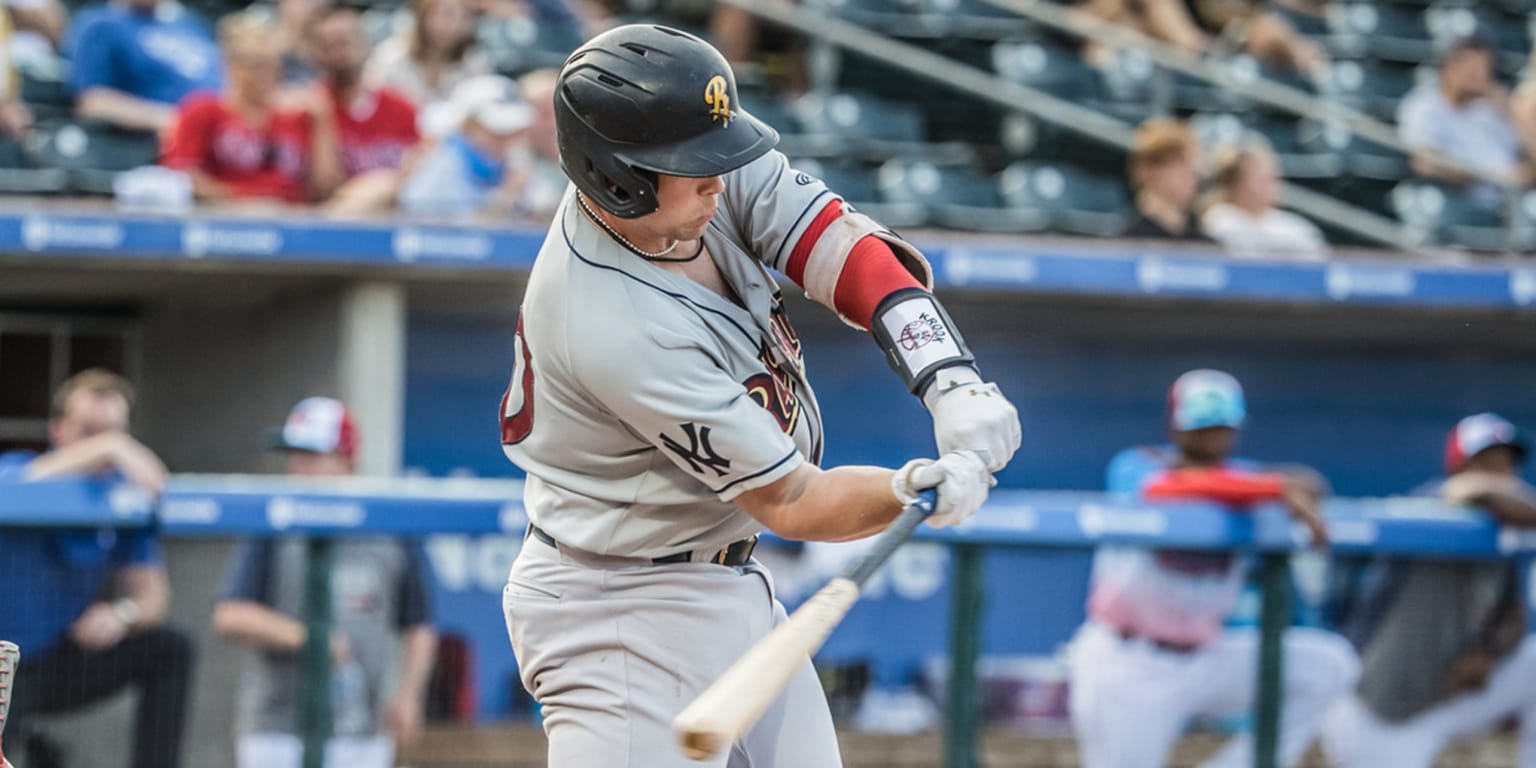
(972, 415)
(961, 477)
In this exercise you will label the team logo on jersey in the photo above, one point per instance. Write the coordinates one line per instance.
(699, 454)
(919, 333)
(780, 354)
(718, 96)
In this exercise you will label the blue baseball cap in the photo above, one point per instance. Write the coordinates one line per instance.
(1205, 398)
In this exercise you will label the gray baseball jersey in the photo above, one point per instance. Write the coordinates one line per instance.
(641, 402)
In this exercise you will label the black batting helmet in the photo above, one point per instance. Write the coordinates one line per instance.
(642, 99)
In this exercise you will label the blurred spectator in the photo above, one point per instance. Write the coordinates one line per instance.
(435, 53)
(1165, 179)
(1464, 118)
(374, 125)
(1154, 653)
(379, 592)
(1444, 644)
(539, 153)
(87, 606)
(15, 117)
(1196, 26)
(467, 173)
(294, 18)
(37, 29)
(1245, 220)
(240, 144)
(134, 60)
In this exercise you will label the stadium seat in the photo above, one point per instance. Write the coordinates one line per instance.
(1508, 33)
(520, 45)
(841, 120)
(1523, 222)
(1046, 65)
(1070, 200)
(92, 154)
(46, 90)
(855, 183)
(1383, 30)
(1449, 216)
(958, 197)
(1372, 86)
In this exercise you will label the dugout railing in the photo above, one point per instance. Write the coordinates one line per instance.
(204, 506)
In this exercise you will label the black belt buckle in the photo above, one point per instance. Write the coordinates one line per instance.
(736, 553)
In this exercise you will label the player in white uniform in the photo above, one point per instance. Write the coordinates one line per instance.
(1154, 653)
(660, 407)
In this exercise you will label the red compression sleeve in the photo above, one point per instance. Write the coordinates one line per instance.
(871, 273)
(1226, 486)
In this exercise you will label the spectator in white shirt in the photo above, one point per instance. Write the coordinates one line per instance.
(1245, 220)
(1464, 118)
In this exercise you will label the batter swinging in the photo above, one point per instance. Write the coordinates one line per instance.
(660, 407)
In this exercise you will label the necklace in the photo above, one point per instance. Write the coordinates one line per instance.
(660, 255)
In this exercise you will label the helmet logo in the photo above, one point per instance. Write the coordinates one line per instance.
(718, 97)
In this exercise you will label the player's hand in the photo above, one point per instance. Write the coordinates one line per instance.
(1304, 503)
(961, 478)
(99, 627)
(404, 718)
(976, 417)
(139, 464)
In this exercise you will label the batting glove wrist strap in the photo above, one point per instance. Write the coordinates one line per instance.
(905, 487)
(918, 337)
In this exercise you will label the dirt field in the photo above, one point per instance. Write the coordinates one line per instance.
(523, 747)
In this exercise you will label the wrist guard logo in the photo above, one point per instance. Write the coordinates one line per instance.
(919, 333)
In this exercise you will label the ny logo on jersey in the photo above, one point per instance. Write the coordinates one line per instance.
(699, 453)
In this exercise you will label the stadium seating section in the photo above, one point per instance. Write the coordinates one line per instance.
(922, 155)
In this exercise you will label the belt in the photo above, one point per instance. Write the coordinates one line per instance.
(1162, 645)
(736, 553)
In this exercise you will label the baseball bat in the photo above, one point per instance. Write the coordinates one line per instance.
(10, 658)
(734, 702)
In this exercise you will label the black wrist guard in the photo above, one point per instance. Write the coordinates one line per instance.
(918, 337)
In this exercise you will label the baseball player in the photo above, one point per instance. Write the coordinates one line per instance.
(1444, 644)
(1154, 653)
(660, 407)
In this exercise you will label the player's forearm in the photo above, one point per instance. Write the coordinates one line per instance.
(416, 661)
(252, 623)
(812, 504)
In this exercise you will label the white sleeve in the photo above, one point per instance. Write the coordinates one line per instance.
(676, 394)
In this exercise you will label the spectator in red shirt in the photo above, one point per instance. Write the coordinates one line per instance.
(239, 144)
(375, 126)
